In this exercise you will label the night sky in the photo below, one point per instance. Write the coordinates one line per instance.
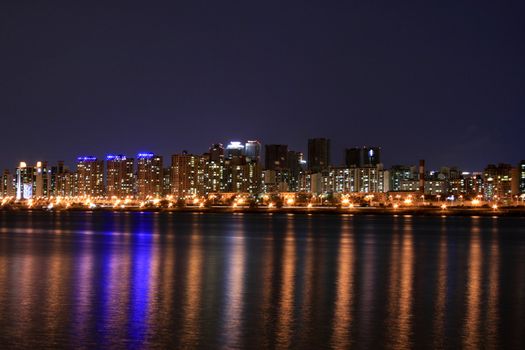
(443, 80)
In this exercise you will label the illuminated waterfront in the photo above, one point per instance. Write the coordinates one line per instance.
(234, 280)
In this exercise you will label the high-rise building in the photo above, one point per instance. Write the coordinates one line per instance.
(214, 170)
(6, 184)
(90, 172)
(149, 175)
(234, 149)
(348, 180)
(497, 181)
(187, 174)
(120, 175)
(42, 176)
(318, 154)
(361, 157)
(24, 181)
(166, 181)
(66, 183)
(275, 157)
(216, 153)
(252, 151)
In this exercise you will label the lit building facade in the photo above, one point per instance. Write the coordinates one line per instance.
(24, 181)
(497, 181)
(6, 184)
(149, 175)
(403, 178)
(188, 174)
(90, 176)
(120, 176)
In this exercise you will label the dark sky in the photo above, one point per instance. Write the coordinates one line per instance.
(442, 80)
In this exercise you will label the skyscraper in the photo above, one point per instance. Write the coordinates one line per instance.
(149, 175)
(252, 151)
(90, 173)
(318, 154)
(216, 153)
(120, 176)
(187, 174)
(234, 149)
(6, 184)
(275, 157)
(24, 181)
(41, 180)
(361, 157)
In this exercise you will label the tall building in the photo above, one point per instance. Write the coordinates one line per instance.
(6, 184)
(166, 182)
(187, 174)
(216, 153)
(275, 157)
(252, 151)
(149, 175)
(120, 175)
(234, 149)
(24, 181)
(318, 154)
(90, 172)
(361, 157)
(214, 170)
(66, 183)
(241, 175)
(497, 181)
(42, 185)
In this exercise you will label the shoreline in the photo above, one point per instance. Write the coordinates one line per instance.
(418, 211)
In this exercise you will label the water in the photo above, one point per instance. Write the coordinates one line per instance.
(154, 280)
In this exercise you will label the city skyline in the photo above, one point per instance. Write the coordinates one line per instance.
(335, 161)
(423, 80)
(243, 169)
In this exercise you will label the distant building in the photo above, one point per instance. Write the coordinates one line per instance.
(473, 183)
(120, 177)
(241, 175)
(187, 174)
(318, 154)
(497, 181)
(66, 183)
(6, 184)
(275, 157)
(403, 178)
(234, 149)
(149, 175)
(90, 172)
(25, 181)
(42, 180)
(216, 152)
(214, 170)
(252, 151)
(360, 157)
(348, 180)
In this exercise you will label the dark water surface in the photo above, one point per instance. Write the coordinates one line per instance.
(154, 280)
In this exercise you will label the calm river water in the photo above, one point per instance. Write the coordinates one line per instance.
(188, 280)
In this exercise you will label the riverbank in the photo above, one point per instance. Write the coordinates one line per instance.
(419, 211)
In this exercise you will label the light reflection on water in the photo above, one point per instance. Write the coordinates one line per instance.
(248, 281)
